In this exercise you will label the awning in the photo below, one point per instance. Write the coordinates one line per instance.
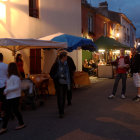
(109, 43)
(18, 44)
(72, 41)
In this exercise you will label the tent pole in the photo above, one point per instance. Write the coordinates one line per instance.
(14, 54)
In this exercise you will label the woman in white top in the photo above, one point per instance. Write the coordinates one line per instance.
(13, 94)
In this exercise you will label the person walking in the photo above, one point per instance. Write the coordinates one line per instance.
(13, 94)
(135, 71)
(122, 64)
(72, 69)
(3, 78)
(19, 63)
(61, 77)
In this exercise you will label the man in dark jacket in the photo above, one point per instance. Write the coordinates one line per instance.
(61, 77)
(72, 69)
(122, 64)
(135, 71)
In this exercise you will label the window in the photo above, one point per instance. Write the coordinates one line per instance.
(127, 31)
(128, 38)
(125, 37)
(90, 24)
(105, 29)
(34, 8)
(124, 31)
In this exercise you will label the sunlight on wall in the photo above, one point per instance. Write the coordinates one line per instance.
(13, 16)
(2, 12)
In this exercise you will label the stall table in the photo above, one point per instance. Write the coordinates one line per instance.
(105, 71)
(38, 80)
(81, 79)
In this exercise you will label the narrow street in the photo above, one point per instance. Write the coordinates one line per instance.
(91, 117)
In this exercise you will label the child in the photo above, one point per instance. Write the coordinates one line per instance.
(12, 93)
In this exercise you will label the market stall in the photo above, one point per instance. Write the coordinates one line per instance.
(108, 50)
(16, 45)
(44, 79)
(74, 43)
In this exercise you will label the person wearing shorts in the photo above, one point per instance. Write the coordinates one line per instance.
(135, 71)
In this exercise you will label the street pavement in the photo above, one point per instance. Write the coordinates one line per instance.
(92, 116)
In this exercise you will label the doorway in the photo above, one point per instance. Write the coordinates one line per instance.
(35, 61)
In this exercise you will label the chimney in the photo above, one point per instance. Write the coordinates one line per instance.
(103, 8)
(84, 1)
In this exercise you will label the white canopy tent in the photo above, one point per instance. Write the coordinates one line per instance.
(18, 44)
(75, 54)
(15, 45)
(49, 55)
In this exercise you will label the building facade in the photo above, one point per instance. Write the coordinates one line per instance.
(88, 20)
(36, 19)
(128, 31)
(109, 23)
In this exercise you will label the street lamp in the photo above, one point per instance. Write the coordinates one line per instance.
(117, 35)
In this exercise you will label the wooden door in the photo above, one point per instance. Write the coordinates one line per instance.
(35, 61)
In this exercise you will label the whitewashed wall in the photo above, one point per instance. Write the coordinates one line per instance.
(50, 57)
(63, 16)
(127, 25)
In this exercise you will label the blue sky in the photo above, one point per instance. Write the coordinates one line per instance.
(131, 8)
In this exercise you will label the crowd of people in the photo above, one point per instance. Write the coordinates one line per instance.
(62, 73)
(90, 67)
(123, 64)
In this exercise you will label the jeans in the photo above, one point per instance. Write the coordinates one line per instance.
(12, 106)
(2, 98)
(119, 76)
(61, 91)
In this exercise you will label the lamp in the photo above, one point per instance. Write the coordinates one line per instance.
(117, 35)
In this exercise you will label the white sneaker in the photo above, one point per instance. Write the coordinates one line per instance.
(111, 96)
(123, 96)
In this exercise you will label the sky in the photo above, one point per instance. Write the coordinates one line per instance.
(131, 8)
